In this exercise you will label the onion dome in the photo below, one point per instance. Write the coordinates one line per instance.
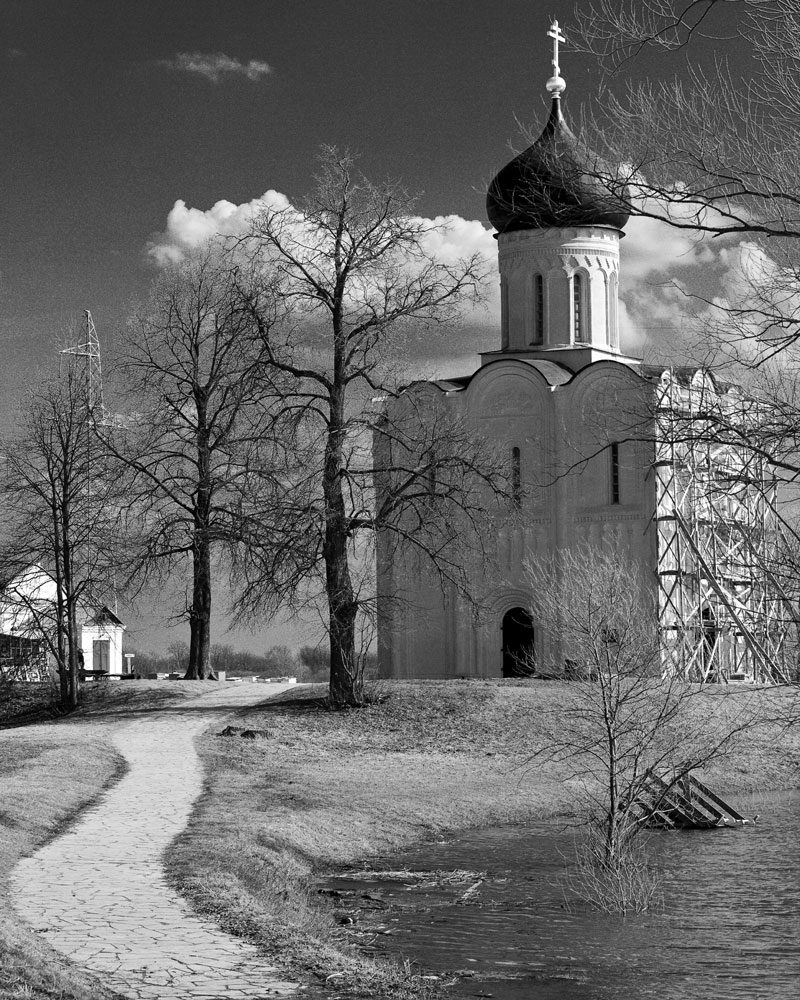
(557, 182)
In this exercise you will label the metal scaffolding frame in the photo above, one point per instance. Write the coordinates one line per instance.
(724, 616)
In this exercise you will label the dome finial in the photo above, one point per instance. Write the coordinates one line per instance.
(556, 85)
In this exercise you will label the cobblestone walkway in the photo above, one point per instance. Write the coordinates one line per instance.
(98, 893)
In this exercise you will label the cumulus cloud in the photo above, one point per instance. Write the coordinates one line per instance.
(449, 237)
(669, 279)
(215, 65)
(190, 228)
(452, 238)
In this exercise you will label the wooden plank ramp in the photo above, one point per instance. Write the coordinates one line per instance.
(685, 804)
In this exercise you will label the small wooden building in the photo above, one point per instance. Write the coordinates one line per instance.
(101, 642)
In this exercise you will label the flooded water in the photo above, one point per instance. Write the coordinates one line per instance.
(730, 925)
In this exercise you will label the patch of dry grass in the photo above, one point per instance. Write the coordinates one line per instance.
(47, 775)
(24, 704)
(112, 698)
(21, 703)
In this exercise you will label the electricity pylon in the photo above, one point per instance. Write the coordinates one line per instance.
(90, 350)
(97, 416)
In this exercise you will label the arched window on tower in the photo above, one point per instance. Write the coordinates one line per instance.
(578, 308)
(516, 479)
(504, 313)
(537, 334)
(613, 318)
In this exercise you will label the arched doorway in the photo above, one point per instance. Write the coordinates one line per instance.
(519, 650)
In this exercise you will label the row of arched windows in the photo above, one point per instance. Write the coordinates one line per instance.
(580, 319)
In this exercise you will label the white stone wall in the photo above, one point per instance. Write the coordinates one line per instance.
(563, 433)
(562, 400)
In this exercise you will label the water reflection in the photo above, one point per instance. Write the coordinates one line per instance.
(731, 922)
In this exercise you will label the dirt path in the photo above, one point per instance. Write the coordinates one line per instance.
(98, 893)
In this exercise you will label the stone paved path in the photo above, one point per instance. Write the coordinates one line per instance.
(98, 893)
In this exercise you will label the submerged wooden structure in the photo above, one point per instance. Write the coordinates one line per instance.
(685, 804)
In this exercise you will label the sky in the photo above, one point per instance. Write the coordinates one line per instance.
(132, 128)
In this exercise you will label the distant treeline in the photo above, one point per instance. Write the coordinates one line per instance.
(310, 663)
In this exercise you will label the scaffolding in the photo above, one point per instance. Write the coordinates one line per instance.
(723, 613)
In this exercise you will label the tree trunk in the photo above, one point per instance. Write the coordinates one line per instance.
(74, 662)
(346, 683)
(71, 610)
(63, 669)
(200, 617)
(62, 657)
(200, 614)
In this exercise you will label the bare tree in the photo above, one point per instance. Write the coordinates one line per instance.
(353, 267)
(627, 721)
(198, 435)
(178, 652)
(711, 150)
(61, 504)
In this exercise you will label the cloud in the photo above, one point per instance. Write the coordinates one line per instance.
(214, 65)
(190, 228)
(449, 238)
(667, 275)
(453, 238)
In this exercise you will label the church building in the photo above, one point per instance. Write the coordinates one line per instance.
(584, 428)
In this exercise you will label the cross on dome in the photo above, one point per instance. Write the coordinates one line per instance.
(556, 85)
(557, 182)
